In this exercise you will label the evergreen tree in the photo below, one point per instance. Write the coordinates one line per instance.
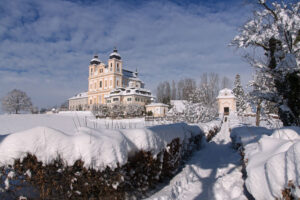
(239, 93)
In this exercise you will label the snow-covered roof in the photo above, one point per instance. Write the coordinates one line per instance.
(157, 105)
(129, 91)
(115, 54)
(95, 60)
(80, 95)
(225, 94)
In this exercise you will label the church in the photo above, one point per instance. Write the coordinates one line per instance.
(111, 83)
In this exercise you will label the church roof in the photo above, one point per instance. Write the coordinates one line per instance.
(80, 95)
(225, 94)
(95, 60)
(115, 54)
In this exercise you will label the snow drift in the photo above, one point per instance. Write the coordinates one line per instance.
(274, 164)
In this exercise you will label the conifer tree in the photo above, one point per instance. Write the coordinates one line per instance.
(239, 93)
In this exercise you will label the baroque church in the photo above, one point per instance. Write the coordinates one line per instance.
(111, 83)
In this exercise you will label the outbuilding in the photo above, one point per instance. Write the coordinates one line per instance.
(157, 109)
(226, 102)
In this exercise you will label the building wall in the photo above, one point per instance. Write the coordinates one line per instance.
(78, 104)
(227, 102)
(102, 80)
(136, 99)
(158, 111)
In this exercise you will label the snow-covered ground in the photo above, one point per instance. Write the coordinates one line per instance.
(98, 142)
(273, 164)
(214, 172)
(66, 122)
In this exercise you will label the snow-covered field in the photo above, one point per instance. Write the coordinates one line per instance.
(66, 122)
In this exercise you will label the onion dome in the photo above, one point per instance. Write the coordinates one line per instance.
(115, 54)
(95, 60)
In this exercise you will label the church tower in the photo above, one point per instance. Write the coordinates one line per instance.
(104, 78)
(115, 66)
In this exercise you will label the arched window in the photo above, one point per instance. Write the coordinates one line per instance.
(100, 85)
(118, 68)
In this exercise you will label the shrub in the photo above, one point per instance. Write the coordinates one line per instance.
(58, 181)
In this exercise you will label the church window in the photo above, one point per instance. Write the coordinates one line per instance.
(100, 85)
(118, 68)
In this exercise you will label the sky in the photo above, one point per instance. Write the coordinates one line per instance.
(46, 46)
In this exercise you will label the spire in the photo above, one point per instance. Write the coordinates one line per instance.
(115, 49)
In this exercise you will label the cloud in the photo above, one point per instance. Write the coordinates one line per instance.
(46, 45)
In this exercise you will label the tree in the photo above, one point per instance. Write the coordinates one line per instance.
(275, 29)
(134, 110)
(163, 92)
(226, 83)
(100, 110)
(239, 93)
(15, 101)
(173, 91)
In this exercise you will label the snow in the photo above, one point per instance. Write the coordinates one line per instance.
(273, 162)
(225, 94)
(97, 147)
(157, 104)
(214, 172)
(178, 105)
(80, 95)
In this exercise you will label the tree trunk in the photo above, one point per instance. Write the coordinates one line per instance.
(258, 111)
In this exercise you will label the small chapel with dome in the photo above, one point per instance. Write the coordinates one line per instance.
(226, 102)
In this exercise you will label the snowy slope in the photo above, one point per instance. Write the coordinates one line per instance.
(214, 172)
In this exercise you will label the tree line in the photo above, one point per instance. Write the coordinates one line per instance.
(184, 88)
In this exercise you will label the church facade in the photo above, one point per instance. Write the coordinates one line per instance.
(111, 83)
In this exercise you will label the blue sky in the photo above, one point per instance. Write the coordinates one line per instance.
(46, 46)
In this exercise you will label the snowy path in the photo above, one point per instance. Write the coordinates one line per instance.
(214, 172)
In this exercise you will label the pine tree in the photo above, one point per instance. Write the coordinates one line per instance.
(239, 93)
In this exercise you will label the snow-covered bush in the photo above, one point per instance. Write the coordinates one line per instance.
(105, 163)
(134, 110)
(100, 110)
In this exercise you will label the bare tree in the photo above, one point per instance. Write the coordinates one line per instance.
(226, 83)
(15, 101)
(163, 92)
(173, 90)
